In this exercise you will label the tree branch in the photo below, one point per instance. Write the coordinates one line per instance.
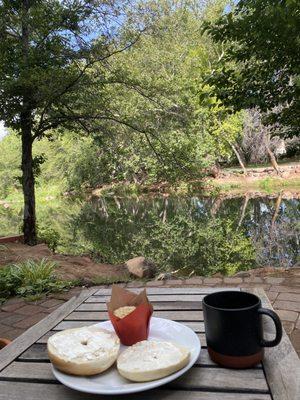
(76, 80)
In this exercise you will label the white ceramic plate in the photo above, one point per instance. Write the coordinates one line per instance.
(111, 382)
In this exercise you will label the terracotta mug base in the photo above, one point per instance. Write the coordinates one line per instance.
(4, 342)
(235, 361)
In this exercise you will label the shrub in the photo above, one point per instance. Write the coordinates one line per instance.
(30, 278)
(49, 236)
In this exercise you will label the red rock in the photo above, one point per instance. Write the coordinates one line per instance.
(141, 267)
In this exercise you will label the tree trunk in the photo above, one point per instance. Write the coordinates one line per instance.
(239, 158)
(276, 211)
(29, 220)
(164, 216)
(243, 210)
(216, 206)
(271, 155)
(273, 159)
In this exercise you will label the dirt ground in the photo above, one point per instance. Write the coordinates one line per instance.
(70, 267)
(288, 172)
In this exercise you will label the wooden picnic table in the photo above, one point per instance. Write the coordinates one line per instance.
(25, 370)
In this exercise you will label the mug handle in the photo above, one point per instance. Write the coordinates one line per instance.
(278, 326)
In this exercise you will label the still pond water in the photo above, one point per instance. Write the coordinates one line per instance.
(185, 234)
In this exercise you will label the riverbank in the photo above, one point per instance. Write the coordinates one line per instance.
(258, 179)
(88, 272)
(69, 267)
(264, 180)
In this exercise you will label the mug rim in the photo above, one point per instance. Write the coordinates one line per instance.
(258, 302)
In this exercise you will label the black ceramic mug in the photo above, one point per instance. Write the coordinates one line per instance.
(234, 330)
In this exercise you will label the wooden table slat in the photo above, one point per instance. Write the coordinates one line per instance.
(157, 305)
(44, 338)
(185, 315)
(155, 298)
(26, 390)
(170, 290)
(221, 378)
(196, 378)
(281, 363)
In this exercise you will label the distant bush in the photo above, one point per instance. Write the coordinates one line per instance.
(10, 161)
(48, 235)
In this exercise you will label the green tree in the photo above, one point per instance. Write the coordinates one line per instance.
(171, 126)
(47, 51)
(260, 62)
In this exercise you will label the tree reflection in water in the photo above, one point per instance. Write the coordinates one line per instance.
(193, 234)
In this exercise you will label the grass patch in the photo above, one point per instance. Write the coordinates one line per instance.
(122, 189)
(30, 279)
(45, 194)
(226, 187)
(109, 280)
(266, 185)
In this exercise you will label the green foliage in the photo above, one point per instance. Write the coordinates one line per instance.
(69, 162)
(10, 220)
(87, 165)
(10, 162)
(7, 283)
(163, 124)
(47, 49)
(168, 127)
(182, 238)
(266, 185)
(260, 64)
(30, 278)
(48, 235)
(204, 250)
(36, 164)
(53, 54)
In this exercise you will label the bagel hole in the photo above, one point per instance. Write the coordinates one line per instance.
(84, 342)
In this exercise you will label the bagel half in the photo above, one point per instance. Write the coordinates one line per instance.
(150, 360)
(83, 351)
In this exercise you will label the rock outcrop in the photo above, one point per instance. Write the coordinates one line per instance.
(140, 267)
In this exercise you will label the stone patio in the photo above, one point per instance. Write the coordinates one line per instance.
(17, 315)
